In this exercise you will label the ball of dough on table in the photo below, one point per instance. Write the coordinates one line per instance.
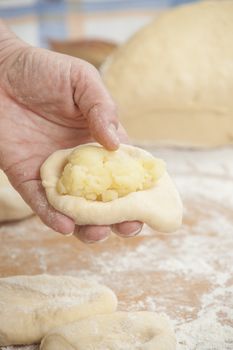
(30, 306)
(99, 187)
(12, 206)
(117, 331)
(173, 80)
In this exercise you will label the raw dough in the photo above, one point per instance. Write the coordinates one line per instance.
(173, 80)
(160, 206)
(12, 206)
(118, 331)
(30, 306)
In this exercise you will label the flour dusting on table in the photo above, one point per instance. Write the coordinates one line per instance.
(188, 275)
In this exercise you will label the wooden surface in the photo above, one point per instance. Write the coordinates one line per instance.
(187, 275)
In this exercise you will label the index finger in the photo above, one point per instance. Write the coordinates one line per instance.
(97, 106)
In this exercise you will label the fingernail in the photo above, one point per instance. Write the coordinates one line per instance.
(68, 234)
(102, 240)
(96, 241)
(131, 234)
(112, 131)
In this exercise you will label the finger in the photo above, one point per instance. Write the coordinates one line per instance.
(33, 193)
(92, 234)
(122, 134)
(127, 228)
(97, 106)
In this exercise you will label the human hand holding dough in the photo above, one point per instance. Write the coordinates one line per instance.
(96, 187)
(69, 108)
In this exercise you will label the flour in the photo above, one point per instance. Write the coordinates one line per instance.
(31, 347)
(187, 275)
(205, 333)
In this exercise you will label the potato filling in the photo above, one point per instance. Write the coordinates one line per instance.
(97, 174)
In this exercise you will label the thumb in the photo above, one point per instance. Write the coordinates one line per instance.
(97, 107)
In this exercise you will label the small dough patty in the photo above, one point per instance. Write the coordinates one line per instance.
(30, 306)
(117, 331)
(158, 206)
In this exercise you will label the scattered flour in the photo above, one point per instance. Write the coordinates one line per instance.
(187, 275)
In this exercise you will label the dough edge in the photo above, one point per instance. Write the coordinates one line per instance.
(12, 206)
(160, 207)
(37, 322)
(68, 336)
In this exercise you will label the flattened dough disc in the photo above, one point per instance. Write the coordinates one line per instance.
(160, 206)
(33, 305)
(117, 331)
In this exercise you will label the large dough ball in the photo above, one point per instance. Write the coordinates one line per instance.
(173, 80)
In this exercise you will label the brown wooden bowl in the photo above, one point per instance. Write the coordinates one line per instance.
(95, 51)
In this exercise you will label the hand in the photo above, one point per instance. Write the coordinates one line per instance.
(50, 101)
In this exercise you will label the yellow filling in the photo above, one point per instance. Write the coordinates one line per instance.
(100, 175)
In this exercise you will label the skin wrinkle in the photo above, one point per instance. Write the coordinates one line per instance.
(19, 171)
(22, 92)
(48, 109)
(45, 211)
(3, 49)
(95, 110)
(33, 127)
(42, 131)
(12, 77)
(39, 131)
(82, 79)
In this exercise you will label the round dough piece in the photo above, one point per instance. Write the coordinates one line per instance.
(12, 206)
(173, 80)
(118, 331)
(160, 206)
(30, 306)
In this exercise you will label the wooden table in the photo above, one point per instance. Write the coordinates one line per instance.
(187, 275)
